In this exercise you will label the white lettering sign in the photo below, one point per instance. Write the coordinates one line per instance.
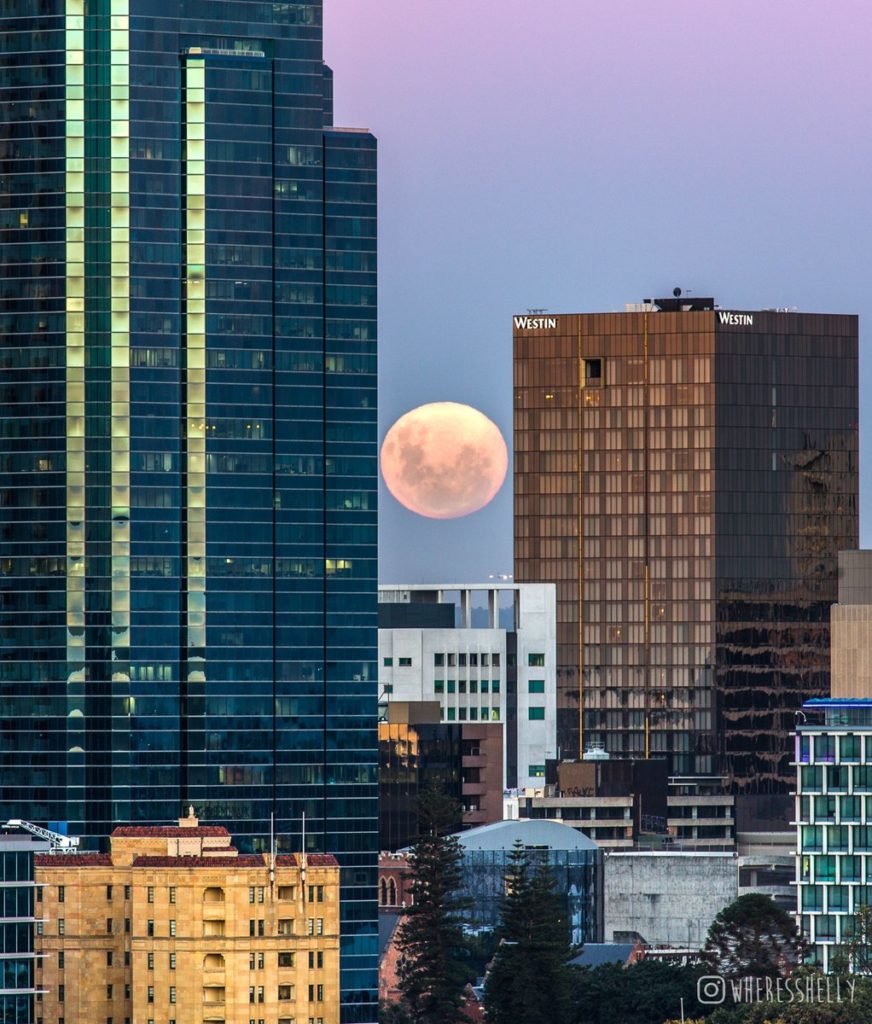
(536, 323)
(737, 319)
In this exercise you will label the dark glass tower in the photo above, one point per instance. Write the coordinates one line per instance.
(187, 341)
(686, 476)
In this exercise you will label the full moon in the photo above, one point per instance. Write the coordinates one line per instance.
(444, 460)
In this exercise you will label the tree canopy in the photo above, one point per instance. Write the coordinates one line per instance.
(529, 978)
(754, 937)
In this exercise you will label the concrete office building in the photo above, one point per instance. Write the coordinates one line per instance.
(174, 924)
(686, 475)
(485, 653)
(188, 458)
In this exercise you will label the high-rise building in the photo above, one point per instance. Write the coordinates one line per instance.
(174, 924)
(187, 343)
(686, 476)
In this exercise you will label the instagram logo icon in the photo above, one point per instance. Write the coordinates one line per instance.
(711, 990)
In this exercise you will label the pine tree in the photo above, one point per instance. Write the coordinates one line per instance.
(434, 968)
(753, 937)
(529, 979)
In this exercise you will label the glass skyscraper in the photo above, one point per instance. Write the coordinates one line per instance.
(188, 351)
(686, 475)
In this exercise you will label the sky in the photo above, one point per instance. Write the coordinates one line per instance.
(575, 155)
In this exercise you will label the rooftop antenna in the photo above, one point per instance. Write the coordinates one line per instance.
(537, 309)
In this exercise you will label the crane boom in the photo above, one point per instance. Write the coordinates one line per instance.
(58, 841)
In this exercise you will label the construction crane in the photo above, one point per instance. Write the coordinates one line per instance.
(59, 843)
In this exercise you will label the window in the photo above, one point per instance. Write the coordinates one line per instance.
(461, 685)
(251, 993)
(439, 660)
(473, 686)
(286, 992)
(172, 926)
(172, 993)
(172, 961)
(108, 991)
(61, 960)
(825, 748)
(405, 662)
(388, 662)
(61, 993)
(452, 686)
(536, 660)
(536, 714)
(439, 685)
(260, 995)
(108, 892)
(62, 926)
(149, 928)
(495, 659)
(287, 892)
(536, 686)
(286, 926)
(286, 959)
(849, 748)
(251, 896)
(495, 686)
(127, 892)
(172, 894)
(150, 894)
(537, 771)
(593, 373)
(150, 993)
(310, 926)
(251, 927)
(484, 686)
(316, 893)
(316, 960)
(319, 926)
(150, 961)
(461, 714)
(127, 925)
(451, 714)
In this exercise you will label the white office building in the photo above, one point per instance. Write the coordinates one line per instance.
(486, 653)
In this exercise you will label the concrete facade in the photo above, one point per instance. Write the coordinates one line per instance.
(669, 899)
(497, 673)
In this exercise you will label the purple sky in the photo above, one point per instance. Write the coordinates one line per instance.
(580, 154)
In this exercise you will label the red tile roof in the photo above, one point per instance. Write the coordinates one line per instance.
(245, 860)
(169, 831)
(314, 860)
(75, 860)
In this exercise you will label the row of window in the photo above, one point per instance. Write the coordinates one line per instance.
(822, 748)
(833, 778)
(213, 894)
(463, 660)
(460, 714)
(256, 927)
(475, 686)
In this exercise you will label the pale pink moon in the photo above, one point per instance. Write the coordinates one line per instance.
(444, 460)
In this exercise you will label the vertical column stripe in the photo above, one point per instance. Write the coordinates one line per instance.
(120, 371)
(74, 174)
(195, 356)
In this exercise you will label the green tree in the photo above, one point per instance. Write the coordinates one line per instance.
(434, 964)
(856, 951)
(753, 937)
(529, 979)
(647, 992)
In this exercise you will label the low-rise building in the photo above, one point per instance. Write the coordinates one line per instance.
(574, 860)
(173, 925)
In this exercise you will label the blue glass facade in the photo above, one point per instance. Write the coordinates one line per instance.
(188, 351)
(19, 908)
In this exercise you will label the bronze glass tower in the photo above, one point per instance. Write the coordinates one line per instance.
(686, 476)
